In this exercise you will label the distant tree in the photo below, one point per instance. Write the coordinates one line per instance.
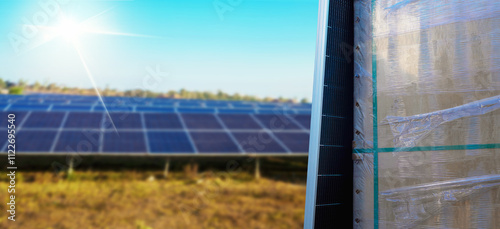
(9, 84)
(2, 84)
(16, 90)
(22, 83)
(183, 93)
(36, 86)
(304, 100)
(236, 96)
(47, 87)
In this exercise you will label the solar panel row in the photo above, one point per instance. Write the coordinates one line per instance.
(123, 120)
(43, 101)
(83, 142)
(91, 132)
(151, 109)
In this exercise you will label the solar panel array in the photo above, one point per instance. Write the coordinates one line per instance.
(68, 124)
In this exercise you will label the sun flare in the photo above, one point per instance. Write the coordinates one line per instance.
(68, 29)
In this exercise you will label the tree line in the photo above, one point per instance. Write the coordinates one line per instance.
(22, 87)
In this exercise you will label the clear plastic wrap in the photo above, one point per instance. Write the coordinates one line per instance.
(427, 115)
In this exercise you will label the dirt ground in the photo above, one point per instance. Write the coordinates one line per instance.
(143, 200)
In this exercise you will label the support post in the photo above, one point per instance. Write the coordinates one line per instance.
(71, 167)
(167, 167)
(257, 168)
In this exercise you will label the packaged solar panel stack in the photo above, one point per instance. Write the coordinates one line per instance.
(427, 114)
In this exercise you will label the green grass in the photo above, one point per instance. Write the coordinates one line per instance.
(145, 200)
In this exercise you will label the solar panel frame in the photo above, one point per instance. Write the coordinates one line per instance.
(162, 121)
(214, 142)
(295, 141)
(200, 121)
(277, 122)
(258, 142)
(42, 119)
(72, 141)
(34, 140)
(169, 142)
(84, 120)
(124, 141)
(239, 121)
(304, 120)
(123, 120)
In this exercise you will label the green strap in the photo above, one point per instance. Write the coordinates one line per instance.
(375, 123)
(429, 148)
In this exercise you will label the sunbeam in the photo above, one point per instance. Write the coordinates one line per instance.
(91, 78)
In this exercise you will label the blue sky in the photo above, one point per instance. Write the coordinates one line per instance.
(255, 47)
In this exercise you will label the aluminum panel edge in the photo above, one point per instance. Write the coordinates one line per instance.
(316, 113)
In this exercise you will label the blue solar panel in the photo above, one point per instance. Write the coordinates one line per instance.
(258, 142)
(169, 142)
(269, 106)
(213, 142)
(22, 107)
(242, 105)
(19, 117)
(196, 110)
(301, 106)
(83, 102)
(167, 103)
(84, 120)
(162, 121)
(71, 108)
(155, 109)
(28, 102)
(78, 141)
(34, 141)
(55, 101)
(303, 111)
(3, 139)
(272, 111)
(124, 142)
(276, 122)
(236, 111)
(126, 104)
(125, 120)
(201, 121)
(217, 104)
(114, 108)
(304, 120)
(239, 121)
(188, 103)
(44, 120)
(296, 142)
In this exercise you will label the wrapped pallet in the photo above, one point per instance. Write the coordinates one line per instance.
(427, 115)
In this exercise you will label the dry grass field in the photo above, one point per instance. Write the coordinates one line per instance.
(143, 200)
